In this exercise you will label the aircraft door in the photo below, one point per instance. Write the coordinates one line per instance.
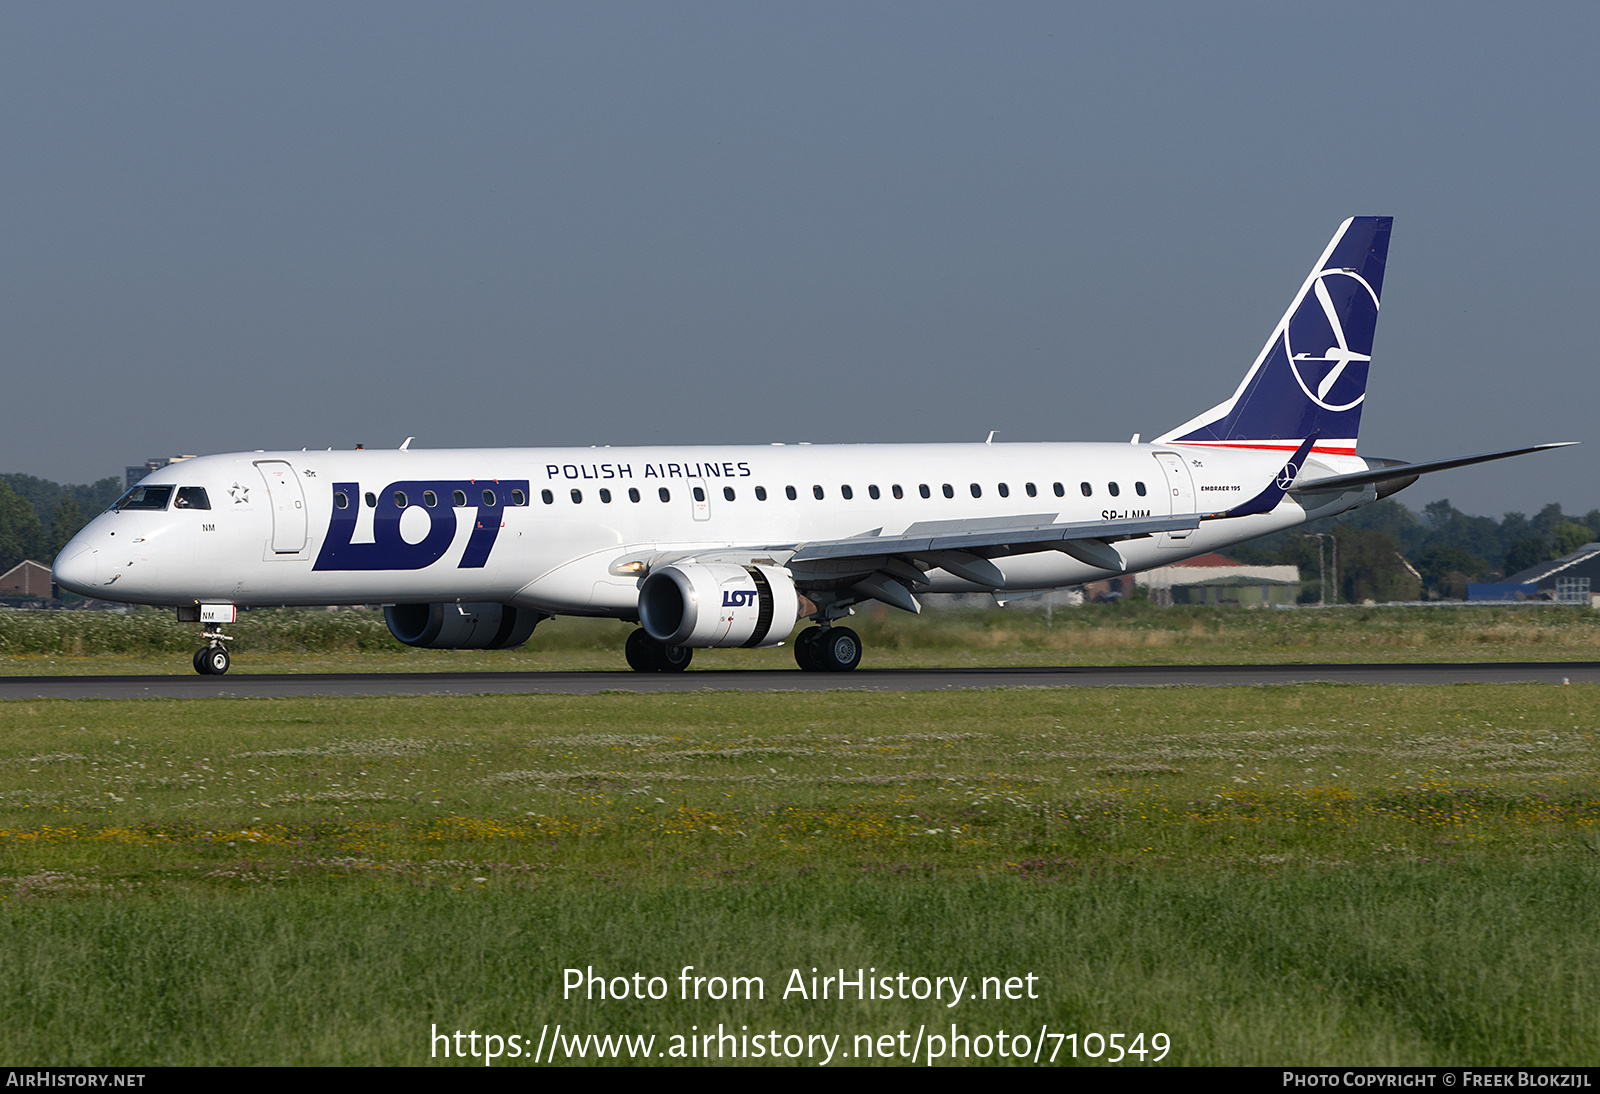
(288, 501)
(1180, 496)
(700, 499)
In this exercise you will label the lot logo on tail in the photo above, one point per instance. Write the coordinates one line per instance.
(1338, 298)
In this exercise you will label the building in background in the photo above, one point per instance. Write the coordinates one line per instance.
(1570, 579)
(1217, 579)
(27, 578)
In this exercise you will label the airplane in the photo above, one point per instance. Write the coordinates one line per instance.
(715, 546)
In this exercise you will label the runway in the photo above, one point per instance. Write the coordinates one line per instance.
(267, 686)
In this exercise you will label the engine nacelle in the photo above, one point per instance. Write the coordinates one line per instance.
(461, 626)
(718, 604)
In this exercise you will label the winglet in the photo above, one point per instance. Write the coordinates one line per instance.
(1268, 499)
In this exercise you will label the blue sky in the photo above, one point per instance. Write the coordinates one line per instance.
(234, 226)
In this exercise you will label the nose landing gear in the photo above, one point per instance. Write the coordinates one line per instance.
(212, 658)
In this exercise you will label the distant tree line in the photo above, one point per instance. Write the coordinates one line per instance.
(38, 517)
(1389, 552)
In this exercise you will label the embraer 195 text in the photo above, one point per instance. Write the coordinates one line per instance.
(717, 546)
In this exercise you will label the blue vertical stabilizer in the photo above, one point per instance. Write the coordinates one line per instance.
(1311, 377)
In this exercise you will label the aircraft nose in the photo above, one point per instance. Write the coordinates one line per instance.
(75, 569)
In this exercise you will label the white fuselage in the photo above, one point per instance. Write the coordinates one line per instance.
(275, 533)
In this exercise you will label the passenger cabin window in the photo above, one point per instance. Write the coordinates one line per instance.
(458, 498)
(699, 493)
(341, 500)
(1138, 488)
(977, 491)
(1033, 490)
(545, 496)
(1088, 491)
(1005, 491)
(1061, 491)
(949, 491)
(192, 497)
(488, 498)
(816, 492)
(430, 499)
(872, 492)
(761, 493)
(846, 493)
(605, 496)
(897, 492)
(400, 499)
(577, 497)
(789, 492)
(144, 497)
(517, 497)
(924, 491)
(371, 499)
(664, 494)
(727, 493)
(633, 493)
(1113, 488)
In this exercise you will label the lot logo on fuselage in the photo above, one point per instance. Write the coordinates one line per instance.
(486, 499)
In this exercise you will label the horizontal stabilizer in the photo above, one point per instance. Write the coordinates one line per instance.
(1412, 470)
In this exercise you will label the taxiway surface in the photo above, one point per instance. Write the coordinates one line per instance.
(267, 685)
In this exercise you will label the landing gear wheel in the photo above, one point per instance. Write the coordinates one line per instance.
(200, 665)
(645, 654)
(805, 650)
(214, 661)
(641, 652)
(837, 649)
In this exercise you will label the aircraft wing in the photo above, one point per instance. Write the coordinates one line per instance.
(887, 567)
(992, 538)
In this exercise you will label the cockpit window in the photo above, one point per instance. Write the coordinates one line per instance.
(144, 497)
(192, 497)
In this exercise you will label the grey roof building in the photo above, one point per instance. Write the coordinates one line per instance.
(1576, 575)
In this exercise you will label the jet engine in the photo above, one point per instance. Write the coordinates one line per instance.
(704, 604)
(461, 626)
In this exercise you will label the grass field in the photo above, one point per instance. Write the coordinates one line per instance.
(1313, 874)
(1135, 633)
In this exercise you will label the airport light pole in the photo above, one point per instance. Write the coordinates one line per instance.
(1322, 573)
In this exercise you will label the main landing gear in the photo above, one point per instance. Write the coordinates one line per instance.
(645, 654)
(827, 649)
(818, 649)
(212, 659)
